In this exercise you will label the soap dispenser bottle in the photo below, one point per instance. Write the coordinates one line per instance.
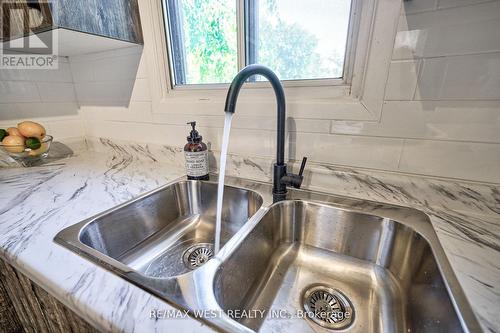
(196, 154)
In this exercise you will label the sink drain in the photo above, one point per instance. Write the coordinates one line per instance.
(198, 254)
(328, 307)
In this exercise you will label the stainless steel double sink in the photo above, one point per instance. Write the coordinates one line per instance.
(314, 263)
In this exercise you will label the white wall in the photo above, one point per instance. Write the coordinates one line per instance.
(54, 97)
(46, 96)
(443, 91)
(441, 114)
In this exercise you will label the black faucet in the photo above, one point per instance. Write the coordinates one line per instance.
(281, 179)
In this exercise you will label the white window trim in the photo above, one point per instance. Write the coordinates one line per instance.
(240, 5)
(360, 99)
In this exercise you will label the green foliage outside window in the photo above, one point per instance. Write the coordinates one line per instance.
(210, 41)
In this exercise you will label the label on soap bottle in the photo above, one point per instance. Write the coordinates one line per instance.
(196, 163)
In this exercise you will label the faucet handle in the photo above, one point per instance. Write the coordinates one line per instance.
(294, 180)
(302, 166)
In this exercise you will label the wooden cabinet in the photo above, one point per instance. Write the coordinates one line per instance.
(77, 27)
(117, 19)
(26, 307)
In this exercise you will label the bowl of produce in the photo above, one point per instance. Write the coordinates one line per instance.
(26, 142)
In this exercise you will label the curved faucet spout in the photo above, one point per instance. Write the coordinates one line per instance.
(234, 90)
(280, 178)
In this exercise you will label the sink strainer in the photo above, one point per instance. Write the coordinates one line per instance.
(198, 254)
(328, 307)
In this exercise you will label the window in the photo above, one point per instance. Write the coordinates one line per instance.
(210, 40)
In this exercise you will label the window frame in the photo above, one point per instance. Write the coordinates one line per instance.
(242, 56)
(362, 99)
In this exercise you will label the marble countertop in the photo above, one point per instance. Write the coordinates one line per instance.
(36, 203)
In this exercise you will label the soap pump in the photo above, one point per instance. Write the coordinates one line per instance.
(196, 154)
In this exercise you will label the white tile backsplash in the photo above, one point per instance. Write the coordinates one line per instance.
(104, 93)
(454, 31)
(139, 132)
(18, 92)
(81, 72)
(440, 116)
(369, 152)
(465, 160)
(431, 78)
(463, 37)
(67, 128)
(56, 92)
(472, 77)
(433, 120)
(460, 77)
(460, 3)
(116, 68)
(402, 80)
(416, 6)
(61, 74)
(135, 112)
(45, 96)
(110, 78)
(13, 75)
(47, 110)
(246, 122)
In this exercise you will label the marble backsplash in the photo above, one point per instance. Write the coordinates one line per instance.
(476, 198)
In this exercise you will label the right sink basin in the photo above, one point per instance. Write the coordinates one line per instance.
(316, 268)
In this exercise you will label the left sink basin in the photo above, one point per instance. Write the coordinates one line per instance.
(165, 233)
